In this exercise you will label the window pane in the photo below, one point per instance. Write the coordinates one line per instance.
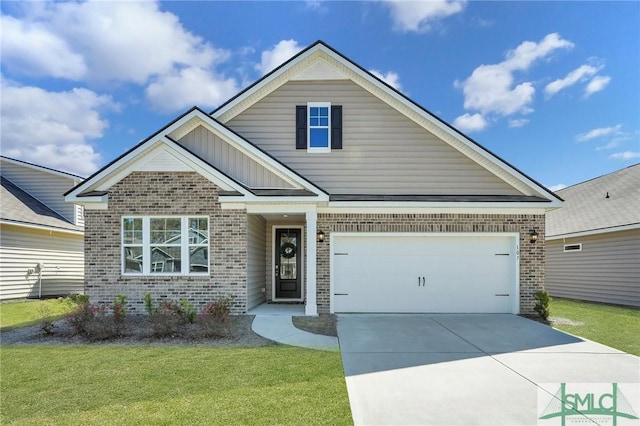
(323, 112)
(132, 230)
(199, 259)
(324, 122)
(133, 259)
(313, 121)
(165, 259)
(314, 111)
(198, 231)
(319, 138)
(165, 230)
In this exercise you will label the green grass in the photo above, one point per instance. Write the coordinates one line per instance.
(105, 385)
(614, 326)
(29, 312)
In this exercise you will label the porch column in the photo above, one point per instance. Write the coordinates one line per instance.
(311, 306)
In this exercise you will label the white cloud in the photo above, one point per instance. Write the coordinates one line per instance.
(33, 50)
(627, 155)
(391, 78)
(598, 83)
(614, 143)
(599, 132)
(188, 87)
(418, 16)
(471, 123)
(518, 122)
(281, 52)
(581, 73)
(124, 41)
(491, 89)
(53, 128)
(557, 187)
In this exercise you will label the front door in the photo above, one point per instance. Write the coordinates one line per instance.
(287, 268)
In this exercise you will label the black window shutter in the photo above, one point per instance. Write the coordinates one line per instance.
(336, 126)
(301, 127)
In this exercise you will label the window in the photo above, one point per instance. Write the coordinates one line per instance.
(572, 247)
(158, 245)
(319, 127)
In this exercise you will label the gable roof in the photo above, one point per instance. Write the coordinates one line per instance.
(41, 168)
(606, 203)
(342, 67)
(94, 188)
(20, 208)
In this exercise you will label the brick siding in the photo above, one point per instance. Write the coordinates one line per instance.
(170, 193)
(532, 258)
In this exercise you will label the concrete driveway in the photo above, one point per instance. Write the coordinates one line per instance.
(482, 369)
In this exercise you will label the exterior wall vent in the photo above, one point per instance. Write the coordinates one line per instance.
(572, 247)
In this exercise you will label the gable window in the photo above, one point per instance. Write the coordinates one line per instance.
(172, 245)
(319, 127)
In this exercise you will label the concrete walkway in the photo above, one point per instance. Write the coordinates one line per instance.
(274, 322)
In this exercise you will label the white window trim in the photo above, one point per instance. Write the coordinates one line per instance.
(319, 105)
(146, 246)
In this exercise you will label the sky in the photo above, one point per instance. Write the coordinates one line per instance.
(551, 87)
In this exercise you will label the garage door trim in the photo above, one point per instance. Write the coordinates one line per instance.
(513, 236)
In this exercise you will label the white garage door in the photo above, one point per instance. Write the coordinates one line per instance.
(452, 273)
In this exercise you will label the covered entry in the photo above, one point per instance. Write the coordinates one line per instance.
(412, 273)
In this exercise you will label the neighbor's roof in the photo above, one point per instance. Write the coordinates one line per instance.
(587, 208)
(22, 209)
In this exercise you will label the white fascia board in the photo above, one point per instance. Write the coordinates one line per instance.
(439, 204)
(280, 208)
(40, 227)
(422, 209)
(594, 232)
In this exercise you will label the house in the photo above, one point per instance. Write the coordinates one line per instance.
(41, 236)
(318, 184)
(593, 242)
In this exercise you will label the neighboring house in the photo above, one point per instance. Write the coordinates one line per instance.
(593, 242)
(318, 184)
(41, 235)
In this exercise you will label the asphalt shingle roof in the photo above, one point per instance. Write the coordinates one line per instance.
(18, 206)
(587, 208)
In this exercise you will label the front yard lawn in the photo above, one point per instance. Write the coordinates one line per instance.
(28, 312)
(614, 326)
(109, 384)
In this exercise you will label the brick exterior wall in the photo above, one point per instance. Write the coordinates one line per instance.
(160, 194)
(532, 256)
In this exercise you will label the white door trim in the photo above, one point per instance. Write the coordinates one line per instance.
(515, 246)
(273, 262)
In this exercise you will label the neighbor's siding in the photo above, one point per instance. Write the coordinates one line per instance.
(48, 188)
(159, 194)
(229, 160)
(383, 151)
(256, 234)
(606, 270)
(22, 248)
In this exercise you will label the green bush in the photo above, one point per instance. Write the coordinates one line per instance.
(543, 300)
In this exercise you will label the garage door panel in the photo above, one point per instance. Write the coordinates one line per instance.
(423, 274)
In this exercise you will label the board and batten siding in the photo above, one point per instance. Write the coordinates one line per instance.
(21, 249)
(606, 270)
(383, 152)
(256, 258)
(230, 160)
(48, 188)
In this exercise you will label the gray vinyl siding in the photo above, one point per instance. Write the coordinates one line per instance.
(383, 151)
(606, 270)
(48, 188)
(229, 160)
(256, 230)
(22, 249)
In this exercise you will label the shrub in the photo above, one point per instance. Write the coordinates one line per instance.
(542, 304)
(81, 317)
(187, 310)
(46, 323)
(214, 318)
(148, 303)
(167, 320)
(119, 314)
